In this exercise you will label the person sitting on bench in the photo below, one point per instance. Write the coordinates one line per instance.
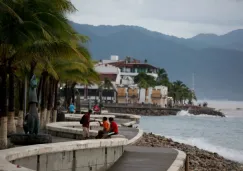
(106, 127)
(113, 127)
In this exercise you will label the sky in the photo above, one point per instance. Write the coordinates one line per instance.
(181, 18)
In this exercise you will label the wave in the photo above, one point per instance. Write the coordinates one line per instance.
(201, 143)
(186, 113)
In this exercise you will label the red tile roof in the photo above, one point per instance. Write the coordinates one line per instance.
(131, 65)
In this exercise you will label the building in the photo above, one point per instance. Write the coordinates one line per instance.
(130, 67)
(121, 73)
(92, 91)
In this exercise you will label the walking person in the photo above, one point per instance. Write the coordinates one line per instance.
(85, 120)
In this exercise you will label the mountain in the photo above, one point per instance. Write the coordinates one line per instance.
(217, 66)
(231, 40)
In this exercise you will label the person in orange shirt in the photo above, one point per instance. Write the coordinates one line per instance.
(105, 125)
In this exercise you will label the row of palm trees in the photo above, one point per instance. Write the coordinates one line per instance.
(36, 38)
(177, 89)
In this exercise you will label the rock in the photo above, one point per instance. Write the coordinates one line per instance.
(199, 160)
(26, 139)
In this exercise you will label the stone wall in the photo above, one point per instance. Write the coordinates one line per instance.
(95, 155)
(86, 159)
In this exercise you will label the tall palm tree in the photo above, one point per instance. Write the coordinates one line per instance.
(180, 92)
(107, 86)
(162, 78)
(25, 35)
(144, 81)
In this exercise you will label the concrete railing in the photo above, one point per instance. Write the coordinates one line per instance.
(95, 155)
(125, 116)
(132, 119)
(71, 130)
(77, 117)
(180, 163)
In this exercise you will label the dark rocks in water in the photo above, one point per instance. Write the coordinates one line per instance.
(155, 111)
(206, 111)
(199, 160)
(143, 111)
(30, 139)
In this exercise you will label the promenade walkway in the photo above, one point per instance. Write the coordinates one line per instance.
(137, 158)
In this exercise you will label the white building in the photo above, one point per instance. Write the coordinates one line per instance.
(129, 67)
(122, 73)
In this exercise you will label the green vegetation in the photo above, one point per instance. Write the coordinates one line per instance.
(177, 90)
(36, 38)
(106, 87)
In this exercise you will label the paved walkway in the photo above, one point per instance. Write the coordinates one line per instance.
(145, 159)
(129, 133)
(137, 158)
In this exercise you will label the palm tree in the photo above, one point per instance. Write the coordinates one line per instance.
(180, 92)
(162, 78)
(144, 81)
(143, 84)
(27, 36)
(107, 86)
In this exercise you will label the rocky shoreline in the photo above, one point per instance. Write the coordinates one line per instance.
(206, 111)
(158, 111)
(199, 160)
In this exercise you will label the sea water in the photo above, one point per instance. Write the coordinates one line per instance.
(215, 134)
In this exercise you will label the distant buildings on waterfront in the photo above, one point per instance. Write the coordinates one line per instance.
(121, 73)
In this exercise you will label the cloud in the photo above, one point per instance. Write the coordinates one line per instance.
(183, 18)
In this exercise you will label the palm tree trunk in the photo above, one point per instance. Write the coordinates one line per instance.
(11, 107)
(21, 105)
(43, 100)
(66, 95)
(3, 107)
(50, 101)
(54, 115)
(73, 93)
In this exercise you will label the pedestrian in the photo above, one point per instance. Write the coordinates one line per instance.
(71, 108)
(85, 120)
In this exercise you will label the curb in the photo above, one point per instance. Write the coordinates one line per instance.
(179, 162)
(136, 138)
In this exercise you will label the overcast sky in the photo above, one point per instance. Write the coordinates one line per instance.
(181, 18)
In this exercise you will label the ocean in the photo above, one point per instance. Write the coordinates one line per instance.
(221, 135)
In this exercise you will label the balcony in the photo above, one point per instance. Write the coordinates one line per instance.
(133, 74)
